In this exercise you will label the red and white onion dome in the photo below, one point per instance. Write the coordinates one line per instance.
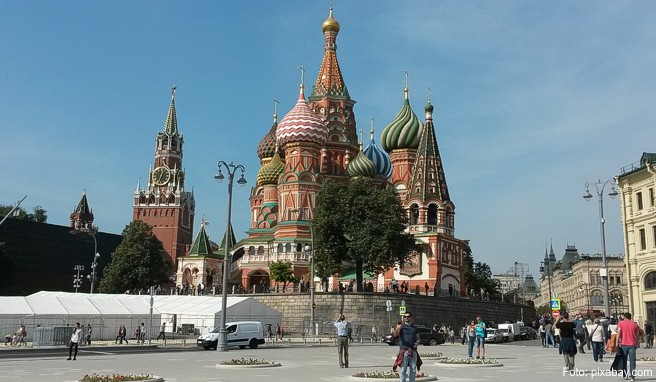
(301, 125)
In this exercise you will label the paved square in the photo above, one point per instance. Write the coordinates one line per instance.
(523, 361)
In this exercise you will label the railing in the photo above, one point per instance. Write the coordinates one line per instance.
(284, 256)
(631, 167)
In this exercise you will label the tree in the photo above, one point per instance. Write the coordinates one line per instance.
(478, 275)
(358, 223)
(546, 308)
(39, 215)
(281, 271)
(137, 262)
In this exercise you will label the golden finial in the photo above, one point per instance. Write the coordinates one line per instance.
(275, 110)
(330, 24)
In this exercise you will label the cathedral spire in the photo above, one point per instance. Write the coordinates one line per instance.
(330, 80)
(428, 182)
(171, 124)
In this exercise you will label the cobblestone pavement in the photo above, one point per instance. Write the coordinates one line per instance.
(523, 361)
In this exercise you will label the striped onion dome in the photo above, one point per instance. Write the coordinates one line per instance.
(404, 131)
(267, 146)
(270, 172)
(361, 166)
(301, 125)
(379, 157)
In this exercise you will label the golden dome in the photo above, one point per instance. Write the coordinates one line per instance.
(330, 24)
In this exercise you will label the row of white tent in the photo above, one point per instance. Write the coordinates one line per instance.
(106, 312)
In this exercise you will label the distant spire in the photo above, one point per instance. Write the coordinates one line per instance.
(275, 110)
(171, 123)
(430, 93)
(371, 131)
(406, 90)
(361, 140)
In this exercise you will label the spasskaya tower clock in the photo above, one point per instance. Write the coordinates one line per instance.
(164, 203)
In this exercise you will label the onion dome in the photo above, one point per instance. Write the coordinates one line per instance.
(404, 131)
(267, 146)
(330, 24)
(361, 166)
(270, 172)
(378, 156)
(301, 125)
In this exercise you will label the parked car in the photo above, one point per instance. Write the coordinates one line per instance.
(528, 333)
(493, 335)
(427, 336)
(242, 334)
(506, 335)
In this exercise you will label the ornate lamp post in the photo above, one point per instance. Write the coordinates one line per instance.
(231, 169)
(603, 272)
(587, 294)
(77, 281)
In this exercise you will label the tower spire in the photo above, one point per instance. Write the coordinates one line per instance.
(171, 123)
(371, 131)
(406, 91)
(275, 110)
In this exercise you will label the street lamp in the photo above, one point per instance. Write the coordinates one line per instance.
(222, 344)
(603, 272)
(545, 267)
(94, 265)
(587, 294)
(77, 280)
(310, 249)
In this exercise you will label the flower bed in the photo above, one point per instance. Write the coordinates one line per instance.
(246, 363)
(431, 355)
(646, 359)
(120, 378)
(373, 376)
(470, 362)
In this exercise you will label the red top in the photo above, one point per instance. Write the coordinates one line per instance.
(629, 332)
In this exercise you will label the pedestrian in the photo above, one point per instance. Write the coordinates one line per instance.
(88, 337)
(19, 337)
(342, 340)
(543, 334)
(611, 345)
(452, 335)
(142, 332)
(374, 334)
(426, 287)
(137, 334)
(649, 335)
(75, 341)
(408, 357)
(269, 332)
(480, 338)
(597, 335)
(119, 335)
(278, 331)
(567, 339)
(629, 333)
(580, 332)
(162, 332)
(549, 334)
(471, 338)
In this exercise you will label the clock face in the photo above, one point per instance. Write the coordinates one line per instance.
(161, 175)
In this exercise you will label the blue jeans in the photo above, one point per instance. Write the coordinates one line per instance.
(551, 341)
(408, 367)
(629, 359)
(597, 351)
(470, 346)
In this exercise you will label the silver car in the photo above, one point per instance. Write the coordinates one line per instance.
(493, 335)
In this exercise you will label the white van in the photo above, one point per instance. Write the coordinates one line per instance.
(241, 333)
(514, 332)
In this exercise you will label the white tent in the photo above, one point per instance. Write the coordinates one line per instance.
(106, 312)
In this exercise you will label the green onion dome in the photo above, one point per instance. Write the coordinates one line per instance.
(361, 166)
(404, 131)
(270, 172)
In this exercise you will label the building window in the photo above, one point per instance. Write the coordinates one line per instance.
(592, 280)
(653, 231)
(643, 239)
(611, 280)
(279, 247)
(650, 280)
(618, 280)
(639, 200)
(651, 196)
(596, 298)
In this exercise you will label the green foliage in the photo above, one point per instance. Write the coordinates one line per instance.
(358, 223)
(38, 215)
(137, 262)
(478, 274)
(281, 272)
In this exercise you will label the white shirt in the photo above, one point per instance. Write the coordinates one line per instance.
(612, 329)
(75, 337)
(596, 332)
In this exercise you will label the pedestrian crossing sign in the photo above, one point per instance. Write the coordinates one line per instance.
(555, 304)
(401, 310)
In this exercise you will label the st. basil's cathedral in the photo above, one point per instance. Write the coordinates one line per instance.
(316, 140)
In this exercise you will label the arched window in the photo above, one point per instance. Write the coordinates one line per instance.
(414, 214)
(288, 247)
(251, 250)
(260, 250)
(299, 247)
(432, 214)
(280, 248)
(650, 280)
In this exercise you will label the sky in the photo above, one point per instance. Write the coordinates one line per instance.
(532, 100)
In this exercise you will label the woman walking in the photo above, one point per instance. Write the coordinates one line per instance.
(596, 334)
(567, 340)
(76, 336)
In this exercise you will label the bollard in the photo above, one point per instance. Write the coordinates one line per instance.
(304, 341)
(289, 342)
(319, 341)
